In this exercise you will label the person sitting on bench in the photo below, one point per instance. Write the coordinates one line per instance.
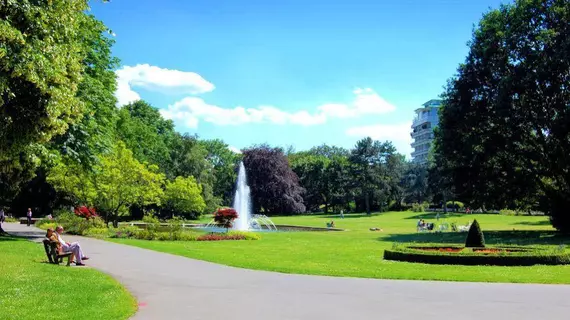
(74, 247)
(52, 236)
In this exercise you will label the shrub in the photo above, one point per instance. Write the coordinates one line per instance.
(152, 223)
(220, 236)
(10, 220)
(416, 207)
(508, 212)
(124, 232)
(175, 226)
(475, 238)
(86, 212)
(96, 232)
(246, 235)
(454, 204)
(46, 225)
(74, 224)
(225, 217)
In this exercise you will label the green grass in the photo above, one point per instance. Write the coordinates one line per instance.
(33, 289)
(358, 251)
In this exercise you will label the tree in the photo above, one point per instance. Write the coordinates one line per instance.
(312, 173)
(115, 184)
(274, 186)
(41, 52)
(147, 134)
(369, 159)
(183, 196)
(504, 130)
(475, 238)
(224, 162)
(189, 158)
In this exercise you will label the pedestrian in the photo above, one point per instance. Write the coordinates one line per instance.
(29, 216)
(341, 214)
(2, 218)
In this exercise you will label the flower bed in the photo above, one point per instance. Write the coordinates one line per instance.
(497, 256)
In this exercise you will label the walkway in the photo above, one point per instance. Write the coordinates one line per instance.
(173, 287)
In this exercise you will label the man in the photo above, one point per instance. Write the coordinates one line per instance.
(74, 247)
(29, 215)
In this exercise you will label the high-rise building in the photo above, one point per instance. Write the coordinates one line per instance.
(425, 121)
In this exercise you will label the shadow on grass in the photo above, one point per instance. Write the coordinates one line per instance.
(533, 223)
(350, 216)
(527, 237)
(7, 237)
(432, 215)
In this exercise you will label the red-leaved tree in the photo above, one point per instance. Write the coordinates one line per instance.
(225, 217)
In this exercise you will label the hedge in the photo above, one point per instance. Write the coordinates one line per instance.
(525, 258)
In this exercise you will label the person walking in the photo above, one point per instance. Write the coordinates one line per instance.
(29, 216)
(2, 219)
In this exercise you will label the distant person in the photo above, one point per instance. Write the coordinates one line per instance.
(437, 216)
(29, 216)
(2, 218)
(341, 214)
(74, 247)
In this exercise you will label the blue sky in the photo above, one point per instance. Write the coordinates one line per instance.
(290, 72)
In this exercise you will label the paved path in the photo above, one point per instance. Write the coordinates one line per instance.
(174, 287)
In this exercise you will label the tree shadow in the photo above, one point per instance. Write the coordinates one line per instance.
(350, 216)
(433, 215)
(523, 237)
(7, 237)
(534, 223)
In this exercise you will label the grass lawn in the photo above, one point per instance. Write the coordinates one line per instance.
(33, 289)
(358, 251)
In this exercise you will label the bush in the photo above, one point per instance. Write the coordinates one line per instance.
(44, 225)
(74, 224)
(416, 207)
(524, 258)
(124, 232)
(475, 238)
(175, 226)
(225, 217)
(96, 232)
(246, 235)
(508, 212)
(11, 220)
(455, 205)
(220, 236)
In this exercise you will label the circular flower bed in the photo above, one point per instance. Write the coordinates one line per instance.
(497, 256)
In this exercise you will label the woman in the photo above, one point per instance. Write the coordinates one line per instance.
(52, 236)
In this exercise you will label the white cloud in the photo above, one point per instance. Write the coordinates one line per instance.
(399, 134)
(192, 110)
(157, 79)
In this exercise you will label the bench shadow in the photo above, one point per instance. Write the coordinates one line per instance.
(523, 237)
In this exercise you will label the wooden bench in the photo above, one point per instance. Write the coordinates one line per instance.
(53, 254)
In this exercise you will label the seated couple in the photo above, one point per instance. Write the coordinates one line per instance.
(62, 246)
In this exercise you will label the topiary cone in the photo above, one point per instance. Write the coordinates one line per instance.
(475, 238)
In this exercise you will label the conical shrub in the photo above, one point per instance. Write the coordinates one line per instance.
(475, 238)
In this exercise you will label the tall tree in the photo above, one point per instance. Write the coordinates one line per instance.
(313, 176)
(369, 159)
(41, 54)
(274, 186)
(504, 129)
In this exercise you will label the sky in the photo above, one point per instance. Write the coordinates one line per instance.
(292, 72)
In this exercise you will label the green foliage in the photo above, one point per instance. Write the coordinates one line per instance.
(224, 161)
(475, 238)
(73, 224)
(152, 223)
(183, 196)
(97, 232)
(246, 235)
(455, 204)
(511, 100)
(419, 207)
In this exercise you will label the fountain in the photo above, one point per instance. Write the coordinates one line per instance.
(242, 204)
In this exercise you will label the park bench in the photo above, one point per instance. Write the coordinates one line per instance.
(53, 254)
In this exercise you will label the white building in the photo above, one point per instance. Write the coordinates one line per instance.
(425, 121)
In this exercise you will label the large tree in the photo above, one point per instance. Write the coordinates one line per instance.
(274, 186)
(504, 128)
(42, 48)
(371, 171)
(224, 162)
